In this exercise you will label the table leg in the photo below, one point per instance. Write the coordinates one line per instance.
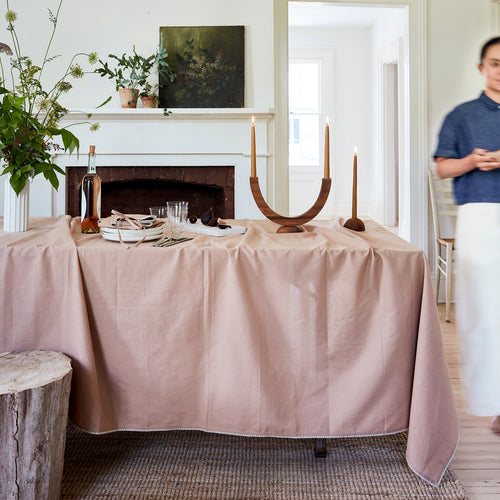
(320, 448)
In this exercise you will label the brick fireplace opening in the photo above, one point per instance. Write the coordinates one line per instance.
(135, 189)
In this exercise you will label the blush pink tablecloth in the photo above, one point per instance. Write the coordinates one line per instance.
(326, 333)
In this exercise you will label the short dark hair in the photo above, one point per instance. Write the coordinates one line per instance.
(492, 41)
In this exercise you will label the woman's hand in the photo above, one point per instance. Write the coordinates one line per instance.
(479, 158)
(490, 160)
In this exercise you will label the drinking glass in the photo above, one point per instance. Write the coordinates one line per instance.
(176, 218)
(160, 212)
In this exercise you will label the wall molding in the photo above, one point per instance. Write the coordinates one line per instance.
(491, 9)
(280, 189)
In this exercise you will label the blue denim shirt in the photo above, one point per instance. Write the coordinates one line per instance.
(474, 124)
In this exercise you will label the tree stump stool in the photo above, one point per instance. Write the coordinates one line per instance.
(34, 400)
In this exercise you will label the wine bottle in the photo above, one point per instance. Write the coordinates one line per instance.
(91, 197)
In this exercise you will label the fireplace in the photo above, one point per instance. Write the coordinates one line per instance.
(133, 189)
(146, 158)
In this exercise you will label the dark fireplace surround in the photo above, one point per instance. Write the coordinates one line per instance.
(134, 189)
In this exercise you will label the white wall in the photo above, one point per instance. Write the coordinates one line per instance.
(457, 29)
(113, 26)
(389, 39)
(353, 108)
(393, 26)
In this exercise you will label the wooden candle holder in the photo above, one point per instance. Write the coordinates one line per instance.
(355, 224)
(290, 224)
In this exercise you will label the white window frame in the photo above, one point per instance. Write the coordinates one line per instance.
(325, 57)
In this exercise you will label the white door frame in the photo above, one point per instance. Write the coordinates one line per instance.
(491, 11)
(391, 55)
(414, 214)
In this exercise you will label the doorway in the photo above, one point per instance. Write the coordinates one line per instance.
(390, 118)
(414, 146)
(365, 103)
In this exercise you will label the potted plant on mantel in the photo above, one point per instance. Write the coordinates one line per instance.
(29, 118)
(149, 95)
(131, 74)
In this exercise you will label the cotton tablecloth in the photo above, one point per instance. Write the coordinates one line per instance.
(324, 333)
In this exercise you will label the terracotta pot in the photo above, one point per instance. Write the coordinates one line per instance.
(128, 97)
(148, 102)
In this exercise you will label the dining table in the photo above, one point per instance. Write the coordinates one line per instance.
(324, 333)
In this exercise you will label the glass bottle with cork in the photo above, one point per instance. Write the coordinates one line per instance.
(91, 197)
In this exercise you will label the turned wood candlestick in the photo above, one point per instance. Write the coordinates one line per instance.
(290, 224)
(354, 223)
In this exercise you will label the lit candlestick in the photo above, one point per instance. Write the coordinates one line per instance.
(355, 184)
(253, 172)
(326, 175)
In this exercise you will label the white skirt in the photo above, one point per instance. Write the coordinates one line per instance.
(477, 289)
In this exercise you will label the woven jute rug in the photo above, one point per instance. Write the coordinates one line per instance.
(199, 465)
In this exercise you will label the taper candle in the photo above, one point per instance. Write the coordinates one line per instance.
(355, 224)
(253, 172)
(326, 175)
(355, 184)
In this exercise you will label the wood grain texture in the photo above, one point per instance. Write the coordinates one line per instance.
(34, 400)
(354, 224)
(290, 224)
(477, 459)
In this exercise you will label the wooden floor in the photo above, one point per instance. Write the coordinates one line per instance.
(477, 460)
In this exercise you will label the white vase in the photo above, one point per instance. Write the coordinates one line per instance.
(16, 208)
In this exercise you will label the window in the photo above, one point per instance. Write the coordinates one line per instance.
(310, 98)
(304, 109)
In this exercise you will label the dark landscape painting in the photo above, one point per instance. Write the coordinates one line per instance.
(209, 63)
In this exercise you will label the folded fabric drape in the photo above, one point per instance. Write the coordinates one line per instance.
(324, 333)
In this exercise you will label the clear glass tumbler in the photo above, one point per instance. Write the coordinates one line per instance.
(160, 212)
(176, 218)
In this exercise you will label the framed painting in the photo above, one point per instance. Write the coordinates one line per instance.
(209, 63)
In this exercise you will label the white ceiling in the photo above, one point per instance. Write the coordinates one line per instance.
(331, 14)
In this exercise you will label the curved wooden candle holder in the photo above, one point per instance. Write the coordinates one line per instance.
(290, 224)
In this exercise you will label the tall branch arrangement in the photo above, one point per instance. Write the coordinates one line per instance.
(30, 111)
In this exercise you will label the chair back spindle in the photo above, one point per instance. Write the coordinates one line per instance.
(442, 205)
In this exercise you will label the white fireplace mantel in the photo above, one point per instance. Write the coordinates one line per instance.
(212, 114)
(186, 137)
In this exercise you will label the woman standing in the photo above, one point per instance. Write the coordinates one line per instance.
(468, 151)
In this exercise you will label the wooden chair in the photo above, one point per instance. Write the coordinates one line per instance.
(442, 204)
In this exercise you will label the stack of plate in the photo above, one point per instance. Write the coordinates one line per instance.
(132, 235)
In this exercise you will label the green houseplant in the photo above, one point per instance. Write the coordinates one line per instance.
(30, 111)
(131, 73)
(149, 95)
